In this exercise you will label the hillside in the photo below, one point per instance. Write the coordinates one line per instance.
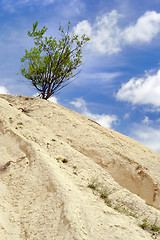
(63, 177)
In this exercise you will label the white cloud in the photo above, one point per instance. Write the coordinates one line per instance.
(107, 37)
(146, 28)
(68, 8)
(79, 103)
(105, 34)
(53, 99)
(83, 27)
(71, 8)
(3, 90)
(144, 90)
(147, 135)
(104, 79)
(146, 120)
(102, 119)
(11, 5)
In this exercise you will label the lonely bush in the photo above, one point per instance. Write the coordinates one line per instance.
(52, 63)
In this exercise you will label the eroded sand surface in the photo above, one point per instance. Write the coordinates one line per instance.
(48, 157)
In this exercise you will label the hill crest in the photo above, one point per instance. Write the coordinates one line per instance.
(53, 155)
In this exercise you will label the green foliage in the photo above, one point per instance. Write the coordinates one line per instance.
(51, 63)
(74, 167)
(64, 160)
(125, 210)
(102, 192)
(93, 184)
(150, 227)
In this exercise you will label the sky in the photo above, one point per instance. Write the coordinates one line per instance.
(119, 82)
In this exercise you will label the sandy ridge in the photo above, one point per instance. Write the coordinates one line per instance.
(44, 198)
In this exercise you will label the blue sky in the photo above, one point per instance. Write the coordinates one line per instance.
(119, 85)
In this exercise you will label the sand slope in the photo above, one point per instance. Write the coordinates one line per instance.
(48, 157)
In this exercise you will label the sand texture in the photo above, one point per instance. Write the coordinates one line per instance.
(64, 177)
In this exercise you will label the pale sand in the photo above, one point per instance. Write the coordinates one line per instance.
(43, 198)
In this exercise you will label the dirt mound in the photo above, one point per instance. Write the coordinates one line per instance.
(63, 176)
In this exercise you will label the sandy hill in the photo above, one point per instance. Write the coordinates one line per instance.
(64, 177)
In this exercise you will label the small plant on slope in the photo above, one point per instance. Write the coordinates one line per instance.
(52, 63)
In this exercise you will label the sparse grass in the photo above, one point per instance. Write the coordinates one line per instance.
(74, 170)
(144, 226)
(150, 227)
(20, 124)
(58, 159)
(155, 228)
(93, 184)
(132, 214)
(64, 160)
(118, 208)
(125, 210)
(104, 193)
(101, 191)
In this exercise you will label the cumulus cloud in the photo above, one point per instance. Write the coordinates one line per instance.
(147, 135)
(102, 119)
(104, 33)
(83, 27)
(3, 90)
(146, 28)
(141, 90)
(53, 99)
(107, 37)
